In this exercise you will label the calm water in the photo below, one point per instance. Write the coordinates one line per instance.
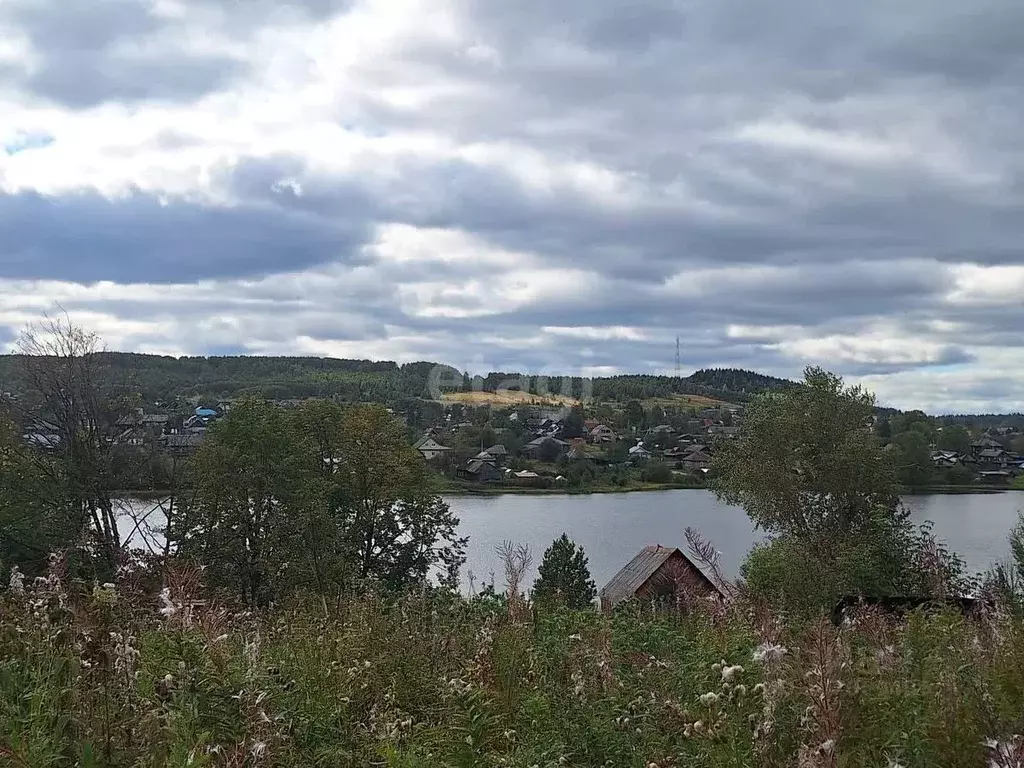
(612, 527)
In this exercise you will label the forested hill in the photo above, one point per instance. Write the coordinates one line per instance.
(160, 378)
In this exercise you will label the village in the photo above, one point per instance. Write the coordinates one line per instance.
(541, 449)
(544, 446)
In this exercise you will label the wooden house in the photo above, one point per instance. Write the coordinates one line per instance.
(657, 573)
(430, 449)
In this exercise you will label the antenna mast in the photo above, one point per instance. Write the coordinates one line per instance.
(678, 360)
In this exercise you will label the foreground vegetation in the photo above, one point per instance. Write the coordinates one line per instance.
(116, 678)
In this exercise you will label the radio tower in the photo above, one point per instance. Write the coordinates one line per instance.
(678, 363)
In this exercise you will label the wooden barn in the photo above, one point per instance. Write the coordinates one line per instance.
(657, 572)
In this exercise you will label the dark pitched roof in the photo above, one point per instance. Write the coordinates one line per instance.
(184, 441)
(639, 570)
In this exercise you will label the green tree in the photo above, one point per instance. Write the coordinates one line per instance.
(635, 416)
(912, 458)
(395, 526)
(954, 439)
(883, 429)
(253, 480)
(806, 461)
(549, 450)
(565, 575)
(573, 426)
(37, 514)
(314, 499)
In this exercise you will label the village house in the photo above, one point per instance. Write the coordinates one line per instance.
(43, 435)
(696, 461)
(657, 573)
(602, 433)
(639, 453)
(430, 449)
(182, 445)
(543, 446)
(945, 459)
(133, 436)
(497, 453)
(994, 457)
(662, 429)
(482, 471)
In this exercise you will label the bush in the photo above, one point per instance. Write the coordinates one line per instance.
(958, 475)
(657, 472)
(808, 575)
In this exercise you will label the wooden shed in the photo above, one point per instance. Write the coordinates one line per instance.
(657, 572)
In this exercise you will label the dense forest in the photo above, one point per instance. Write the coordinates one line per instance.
(161, 379)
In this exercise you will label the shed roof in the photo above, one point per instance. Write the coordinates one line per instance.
(640, 569)
(635, 573)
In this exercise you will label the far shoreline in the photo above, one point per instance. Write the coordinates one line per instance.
(932, 490)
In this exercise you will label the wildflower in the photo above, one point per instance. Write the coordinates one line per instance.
(168, 609)
(728, 673)
(575, 637)
(258, 750)
(741, 690)
(769, 652)
(707, 699)
(17, 582)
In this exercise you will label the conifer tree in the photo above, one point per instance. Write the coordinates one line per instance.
(565, 575)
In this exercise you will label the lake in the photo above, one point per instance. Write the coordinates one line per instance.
(612, 527)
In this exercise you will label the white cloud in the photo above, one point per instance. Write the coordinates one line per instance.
(534, 186)
(975, 284)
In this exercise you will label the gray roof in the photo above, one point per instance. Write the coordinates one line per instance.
(635, 573)
(184, 441)
(625, 584)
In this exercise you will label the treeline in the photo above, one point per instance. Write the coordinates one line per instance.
(160, 378)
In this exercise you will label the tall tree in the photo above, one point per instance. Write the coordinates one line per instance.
(70, 399)
(573, 426)
(954, 438)
(806, 460)
(564, 575)
(912, 459)
(253, 475)
(397, 528)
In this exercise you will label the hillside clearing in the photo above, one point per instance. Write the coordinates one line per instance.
(507, 397)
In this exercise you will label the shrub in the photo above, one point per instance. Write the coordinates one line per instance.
(887, 557)
(657, 472)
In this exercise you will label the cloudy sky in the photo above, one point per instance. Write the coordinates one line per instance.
(548, 186)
